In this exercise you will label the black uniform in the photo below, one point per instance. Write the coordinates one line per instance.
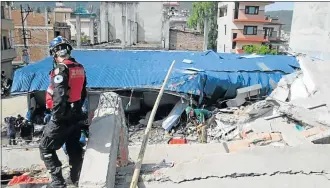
(63, 128)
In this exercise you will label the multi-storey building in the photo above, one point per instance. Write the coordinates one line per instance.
(245, 23)
(40, 28)
(8, 53)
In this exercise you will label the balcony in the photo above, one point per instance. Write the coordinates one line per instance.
(249, 38)
(251, 20)
(8, 55)
(7, 24)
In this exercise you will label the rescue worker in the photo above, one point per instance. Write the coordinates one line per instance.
(199, 117)
(64, 97)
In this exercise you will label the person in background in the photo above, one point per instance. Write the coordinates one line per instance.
(11, 130)
(198, 118)
(65, 96)
(19, 122)
(27, 130)
(3, 76)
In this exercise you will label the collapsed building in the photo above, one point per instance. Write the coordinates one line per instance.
(278, 102)
(199, 78)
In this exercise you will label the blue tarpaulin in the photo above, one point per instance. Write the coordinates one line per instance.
(195, 73)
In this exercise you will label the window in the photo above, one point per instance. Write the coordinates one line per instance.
(268, 31)
(236, 10)
(2, 12)
(233, 45)
(223, 11)
(251, 10)
(225, 29)
(5, 43)
(250, 30)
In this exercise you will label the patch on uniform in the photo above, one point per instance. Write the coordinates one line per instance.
(58, 79)
(56, 71)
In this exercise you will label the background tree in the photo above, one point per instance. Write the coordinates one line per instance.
(201, 10)
(261, 50)
(84, 38)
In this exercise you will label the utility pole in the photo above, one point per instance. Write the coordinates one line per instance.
(26, 58)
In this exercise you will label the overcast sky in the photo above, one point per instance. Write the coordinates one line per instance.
(280, 6)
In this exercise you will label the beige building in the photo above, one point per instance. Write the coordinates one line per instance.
(245, 23)
(8, 53)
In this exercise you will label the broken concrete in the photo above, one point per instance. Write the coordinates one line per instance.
(174, 116)
(305, 116)
(289, 132)
(268, 166)
(261, 160)
(100, 160)
(24, 159)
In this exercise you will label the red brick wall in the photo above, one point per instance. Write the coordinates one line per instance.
(181, 40)
(38, 43)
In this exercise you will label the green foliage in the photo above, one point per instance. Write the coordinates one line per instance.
(38, 10)
(201, 10)
(261, 50)
(84, 38)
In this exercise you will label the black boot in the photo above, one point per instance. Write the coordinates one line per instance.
(57, 178)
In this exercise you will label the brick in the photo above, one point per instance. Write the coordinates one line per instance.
(276, 137)
(313, 131)
(184, 40)
(238, 145)
(258, 136)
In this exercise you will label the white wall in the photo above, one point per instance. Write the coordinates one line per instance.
(310, 30)
(84, 27)
(224, 43)
(150, 21)
(147, 15)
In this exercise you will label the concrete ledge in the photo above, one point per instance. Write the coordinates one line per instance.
(22, 159)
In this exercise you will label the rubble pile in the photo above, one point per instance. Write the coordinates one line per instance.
(294, 113)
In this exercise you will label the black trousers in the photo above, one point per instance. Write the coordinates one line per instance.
(12, 139)
(54, 136)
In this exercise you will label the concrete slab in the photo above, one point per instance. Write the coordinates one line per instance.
(100, 160)
(175, 153)
(18, 159)
(259, 160)
(285, 181)
(306, 116)
(260, 126)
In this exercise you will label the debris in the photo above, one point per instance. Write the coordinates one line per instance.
(25, 179)
(242, 94)
(280, 115)
(177, 141)
(174, 116)
(229, 109)
(305, 116)
(248, 91)
(187, 61)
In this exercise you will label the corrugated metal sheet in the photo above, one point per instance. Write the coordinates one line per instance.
(205, 71)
